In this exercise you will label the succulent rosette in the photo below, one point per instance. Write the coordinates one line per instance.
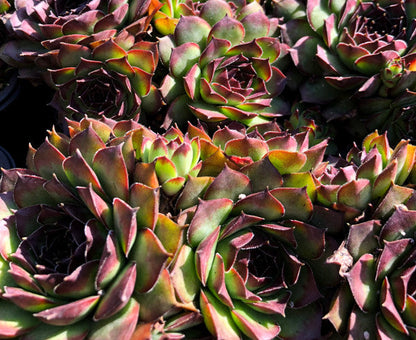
(108, 79)
(254, 239)
(356, 54)
(250, 254)
(387, 100)
(167, 160)
(367, 176)
(38, 26)
(377, 297)
(221, 65)
(84, 248)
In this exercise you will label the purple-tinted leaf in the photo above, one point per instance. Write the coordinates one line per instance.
(192, 29)
(121, 325)
(110, 262)
(120, 65)
(217, 317)
(259, 182)
(340, 308)
(191, 82)
(362, 238)
(216, 281)
(48, 160)
(29, 190)
(228, 29)
(372, 63)
(125, 224)
(79, 173)
(108, 50)
(147, 200)
(118, 294)
(400, 224)
(262, 204)
(183, 58)
(388, 308)
(142, 59)
(228, 184)
(361, 279)
(79, 283)
(296, 202)
(356, 194)
(110, 167)
(150, 257)
(208, 216)
(207, 113)
(216, 48)
(28, 301)
(69, 313)
(204, 255)
(392, 252)
(98, 207)
(183, 275)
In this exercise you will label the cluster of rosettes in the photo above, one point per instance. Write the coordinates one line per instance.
(116, 229)
(355, 59)
(102, 59)
(168, 62)
(219, 223)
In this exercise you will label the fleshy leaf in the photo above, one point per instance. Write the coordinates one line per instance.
(150, 257)
(110, 167)
(287, 162)
(183, 275)
(262, 204)
(118, 294)
(15, 321)
(121, 325)
(362, 283)
(254, 324)
(217, 317)
(69, 313)
(159, 300)
(183, 58)
(208, 216)
(228, 184)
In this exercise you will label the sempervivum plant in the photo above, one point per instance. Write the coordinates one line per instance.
(37, 26)
(254, 257)
(166, 160)
(222, 65)
(108, 78)
(84, 248)
(358, 49)
(377, 299)
(367, 175)
(254, 240)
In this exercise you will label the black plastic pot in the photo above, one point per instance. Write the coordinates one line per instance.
(6, 160)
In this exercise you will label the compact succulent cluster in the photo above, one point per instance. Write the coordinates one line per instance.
(214, 170)
(356, 59)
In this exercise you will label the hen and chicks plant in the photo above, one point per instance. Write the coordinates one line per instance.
(190, 194)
